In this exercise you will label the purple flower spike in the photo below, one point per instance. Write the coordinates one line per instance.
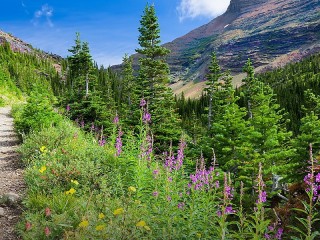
(279, 233)
(263, 196)
(146, 117)
(102, 142)
(68, 108)
(116, 119)
(143, 102)
(118, 144)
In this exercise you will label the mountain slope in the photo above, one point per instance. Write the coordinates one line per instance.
(270, 32)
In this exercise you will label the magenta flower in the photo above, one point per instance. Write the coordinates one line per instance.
(155, 173)
(102, 142)
(219, 214)
(142, 102)
(118, 144)
(146, 117)
(181, 205)
(173, 163)
(318, 178)
(262, 196)
(68, 108)
(228, 210)
(202, 178)
(267, 236)
(116, 119)
(279, 233)
(155, 194)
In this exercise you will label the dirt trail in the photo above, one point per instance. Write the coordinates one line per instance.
(11, 177)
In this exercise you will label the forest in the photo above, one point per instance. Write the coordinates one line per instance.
(116, 155)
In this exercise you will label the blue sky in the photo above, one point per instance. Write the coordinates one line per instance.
(110, 27)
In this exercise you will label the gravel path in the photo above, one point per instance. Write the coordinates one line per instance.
(11, 177)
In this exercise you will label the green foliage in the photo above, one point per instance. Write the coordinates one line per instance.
(23, 70)
(290, 83)
(38, 112)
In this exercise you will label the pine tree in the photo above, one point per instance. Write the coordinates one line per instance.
(87, 103)
(230, 131)
(81, 68)
(152, 79)
(309, 133)
(270, 139)
(212, 83)
(154, 71)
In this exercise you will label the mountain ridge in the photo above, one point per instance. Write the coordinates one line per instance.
(271, 32)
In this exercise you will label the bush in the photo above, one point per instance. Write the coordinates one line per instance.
(37, 113)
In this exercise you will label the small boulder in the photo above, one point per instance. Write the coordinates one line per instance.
(2, 212)
(12, 197)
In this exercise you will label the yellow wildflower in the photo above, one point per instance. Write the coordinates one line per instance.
(141, 224)
(71, 191)
(43, 149)
(75, 182)
(118, 211)
(137, 202)
(100, 227)
(42, 169)
(84, 224)
(101, 215)
(198, 235)
(132, 189)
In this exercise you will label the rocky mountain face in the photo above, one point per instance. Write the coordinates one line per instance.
(270, 32)
(17, 45)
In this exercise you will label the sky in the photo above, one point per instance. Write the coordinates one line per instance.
(109, 26)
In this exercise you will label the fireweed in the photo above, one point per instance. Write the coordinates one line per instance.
(225, 209)
(258, 224)
(312, 180)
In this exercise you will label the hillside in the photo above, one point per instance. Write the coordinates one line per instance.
(270, 32)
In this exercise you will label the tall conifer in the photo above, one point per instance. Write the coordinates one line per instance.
(152, 79)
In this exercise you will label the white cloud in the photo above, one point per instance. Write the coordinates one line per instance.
(24, 6)
(206, 8)
(45, 12)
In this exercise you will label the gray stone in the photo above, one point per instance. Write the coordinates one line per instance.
(2, 212)
(12, 197)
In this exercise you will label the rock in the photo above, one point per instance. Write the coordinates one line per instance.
(1, 212)
(12, 197)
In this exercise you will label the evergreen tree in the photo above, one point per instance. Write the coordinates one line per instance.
(212, 83)
(87, 104)
(309, 132)
(152, 80)
(230, 131)
(270, 139)
(81, 68)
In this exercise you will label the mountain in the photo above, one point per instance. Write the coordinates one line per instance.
(17, 45)
(270, 32)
